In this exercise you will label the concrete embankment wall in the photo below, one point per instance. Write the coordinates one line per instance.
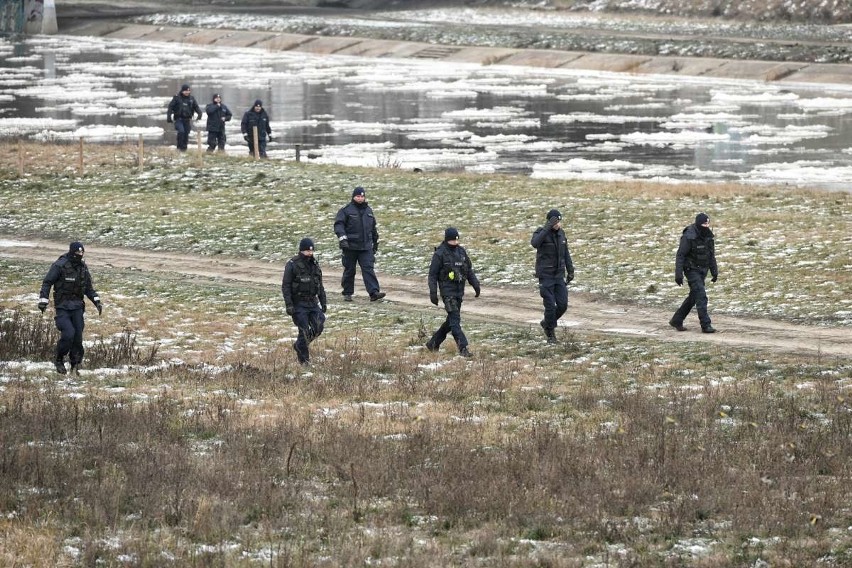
(770, 71)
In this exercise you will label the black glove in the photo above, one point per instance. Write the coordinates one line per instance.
(323, 307)
(569, 278)
(42, 306)
(476, 292)
(99, 306)
(375, 247)
(552, 222)
(290, 310)
(270, 137)
(679, 279)
(433, 297)
(715, 277)
(245, 137)
(343, 243)
(199, 117)
(169, 119)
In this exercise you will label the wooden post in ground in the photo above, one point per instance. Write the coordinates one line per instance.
(140, 159)
(254, 137)
(80, 164)
(20, 158)
(298, 152)
(200, 152)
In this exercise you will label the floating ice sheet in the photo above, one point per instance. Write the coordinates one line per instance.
(431, 114)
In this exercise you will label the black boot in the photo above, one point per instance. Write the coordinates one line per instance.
(549, 333)
(60, 366)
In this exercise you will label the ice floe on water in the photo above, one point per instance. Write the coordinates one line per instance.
(409, 113)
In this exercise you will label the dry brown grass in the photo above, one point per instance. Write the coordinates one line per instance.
(206, 469)
(373, 453)
(40, 158)
(33, 544)
(644, 190)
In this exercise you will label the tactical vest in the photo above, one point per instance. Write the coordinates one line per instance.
(71, 283)
(306, 280)
(701, 252)
(452, 263)
(185, 107)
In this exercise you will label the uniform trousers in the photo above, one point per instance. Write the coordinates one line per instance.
(70, 324)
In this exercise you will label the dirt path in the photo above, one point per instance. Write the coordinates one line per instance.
(508, 305)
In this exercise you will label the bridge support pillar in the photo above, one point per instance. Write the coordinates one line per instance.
(40, 17)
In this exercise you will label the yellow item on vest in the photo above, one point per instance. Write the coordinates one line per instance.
(451, 275)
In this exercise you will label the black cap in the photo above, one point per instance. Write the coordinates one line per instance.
(358, 191)
(215, 96)
(554, 213)
(185, 87)
(258, 102)
(306, 244)
(76, 246)
(701, 218)
(451, 234)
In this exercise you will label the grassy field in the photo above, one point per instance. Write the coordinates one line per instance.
(194, 438)
(782, 252)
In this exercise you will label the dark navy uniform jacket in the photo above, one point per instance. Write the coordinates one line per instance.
(183, 107)
(302, 281)
(697, 251)
(71, 282)
(450, 270)
(552, 257)
(357, 223)
(215, 114)
(259, 119)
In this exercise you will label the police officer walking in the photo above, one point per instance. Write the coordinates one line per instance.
(696, 255)
(256, 117)
(358, 238)
(70, 279)
(450, 270)
(217, 115)
(304, 297)
(554, 270)
(180, 111)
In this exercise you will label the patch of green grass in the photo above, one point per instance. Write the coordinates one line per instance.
(781, 253)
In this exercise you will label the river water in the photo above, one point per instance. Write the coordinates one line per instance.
(436, 115)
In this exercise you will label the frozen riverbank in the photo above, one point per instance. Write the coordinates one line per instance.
(517, 28)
